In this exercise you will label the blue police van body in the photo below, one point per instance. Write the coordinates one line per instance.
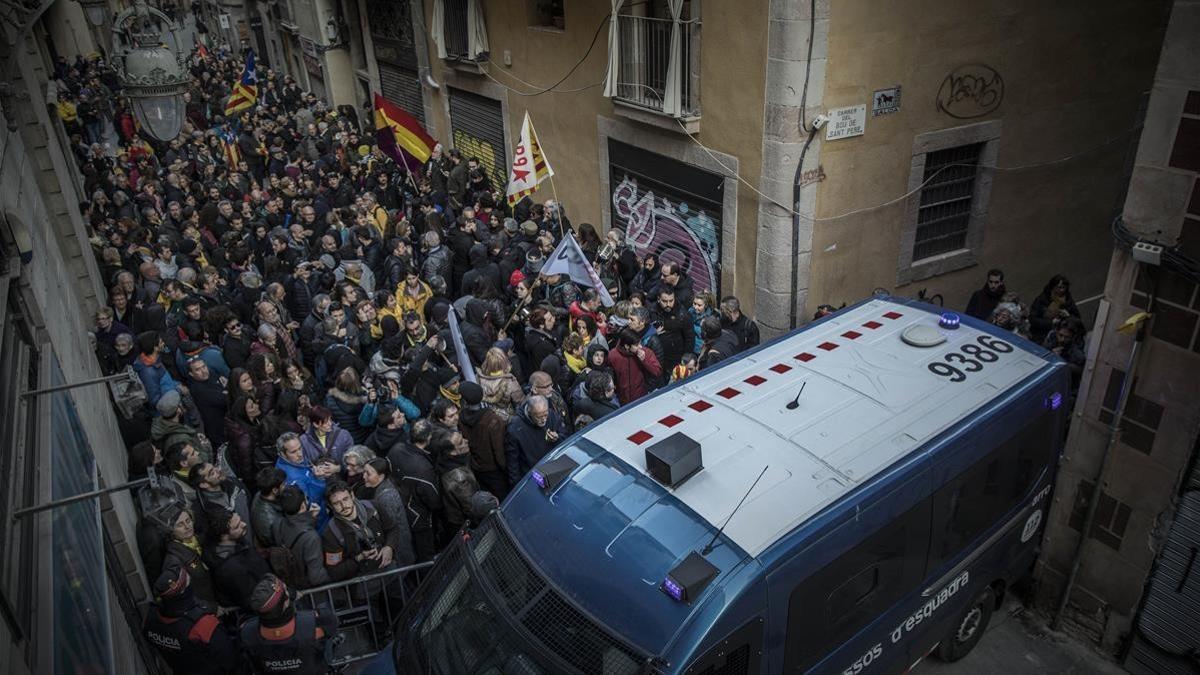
(879, 517)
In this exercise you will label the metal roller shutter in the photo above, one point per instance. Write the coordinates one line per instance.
(1165, 640)
(477, 124)
(402, 87)
(668, 208)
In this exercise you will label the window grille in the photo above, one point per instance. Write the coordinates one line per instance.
(946, 200)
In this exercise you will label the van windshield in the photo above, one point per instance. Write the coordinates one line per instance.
(485, 609)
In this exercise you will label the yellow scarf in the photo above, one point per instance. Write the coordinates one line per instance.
(575, 363)
(451, 396)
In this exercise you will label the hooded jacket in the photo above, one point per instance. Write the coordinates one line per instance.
(583, 404)
(346, 409)
(481, 267)
(503, 393)
(484, 431)
(474, 338)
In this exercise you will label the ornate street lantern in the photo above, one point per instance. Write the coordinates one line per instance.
(153, 77)
(95, 10)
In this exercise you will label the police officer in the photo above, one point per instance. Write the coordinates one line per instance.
(283, 640)
(190, 638)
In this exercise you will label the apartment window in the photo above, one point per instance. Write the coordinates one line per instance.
(951, 178)
(1112, 516)
(548, 14)
(945, 211)
(1139, 423)
(18, 425)
(657, 46)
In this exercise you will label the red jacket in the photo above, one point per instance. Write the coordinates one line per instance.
(630, 372)
(576, 310)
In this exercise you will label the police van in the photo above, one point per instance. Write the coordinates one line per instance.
(845, 499)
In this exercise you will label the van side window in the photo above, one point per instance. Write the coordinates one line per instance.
(976, 499)
(858, 587)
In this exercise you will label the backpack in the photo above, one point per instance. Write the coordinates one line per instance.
(285, 565)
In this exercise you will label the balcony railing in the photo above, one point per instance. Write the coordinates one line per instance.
(644, 58)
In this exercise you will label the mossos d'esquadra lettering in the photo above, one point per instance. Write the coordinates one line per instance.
(926, 611)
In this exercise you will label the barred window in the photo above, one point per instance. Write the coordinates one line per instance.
(950, 183)
(945, 212)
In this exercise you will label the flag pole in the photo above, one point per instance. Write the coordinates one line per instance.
(553, 190)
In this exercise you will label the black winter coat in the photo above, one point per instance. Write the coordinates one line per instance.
(236, 569)
(412, 469)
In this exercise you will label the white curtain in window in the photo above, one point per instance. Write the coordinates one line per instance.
(672, 103)
(438, 35)
(614, 49)
(477, 42)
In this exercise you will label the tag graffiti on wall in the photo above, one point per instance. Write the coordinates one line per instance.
(675, 231)
(970, 91)
(471, 146)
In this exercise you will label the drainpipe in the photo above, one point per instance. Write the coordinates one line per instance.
(1114, 433)
(794, 318)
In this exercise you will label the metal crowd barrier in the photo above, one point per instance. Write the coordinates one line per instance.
(366, 608)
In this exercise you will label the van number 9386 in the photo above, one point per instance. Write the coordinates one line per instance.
(865, 660)
(970, 358)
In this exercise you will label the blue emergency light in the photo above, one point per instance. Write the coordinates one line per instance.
(949, 321)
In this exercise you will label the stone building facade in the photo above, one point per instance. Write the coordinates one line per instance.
(962, 137)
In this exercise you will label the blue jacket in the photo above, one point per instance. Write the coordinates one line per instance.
(211, 356)
(155, 378)
(302, 476)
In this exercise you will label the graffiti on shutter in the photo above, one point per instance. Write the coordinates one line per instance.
(478, 131)
(670, 209)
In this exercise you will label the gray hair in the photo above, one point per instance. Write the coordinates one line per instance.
(641, 313)
(265, 331)
(284, 438)
(360, 452)
(431, 239)
(538, 401)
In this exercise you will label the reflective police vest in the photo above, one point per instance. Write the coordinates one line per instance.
(186, 643)
(300, 650)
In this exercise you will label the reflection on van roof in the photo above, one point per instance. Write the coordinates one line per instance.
(869, 398)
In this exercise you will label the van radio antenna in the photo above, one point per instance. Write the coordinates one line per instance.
(708, 549)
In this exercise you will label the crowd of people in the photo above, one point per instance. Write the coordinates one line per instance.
(283, 291)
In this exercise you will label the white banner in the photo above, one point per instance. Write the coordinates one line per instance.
(568, 259)
(460, 348)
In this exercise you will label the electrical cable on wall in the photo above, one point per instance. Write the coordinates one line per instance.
(570, 72)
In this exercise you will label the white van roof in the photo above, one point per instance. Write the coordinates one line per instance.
(869, 399)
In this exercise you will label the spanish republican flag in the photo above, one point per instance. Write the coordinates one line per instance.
(398, 133)
(245, 90)
(530, 166)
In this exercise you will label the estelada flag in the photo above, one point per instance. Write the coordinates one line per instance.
(233, 154)
(400, 134)
(201, 50)
(530, 166)
(245, 90)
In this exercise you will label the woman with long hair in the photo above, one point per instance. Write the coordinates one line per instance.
(346, 401)
(500, 387)
(265, 371)
(244, 436)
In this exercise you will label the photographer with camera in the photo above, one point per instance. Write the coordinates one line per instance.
(357, 541)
